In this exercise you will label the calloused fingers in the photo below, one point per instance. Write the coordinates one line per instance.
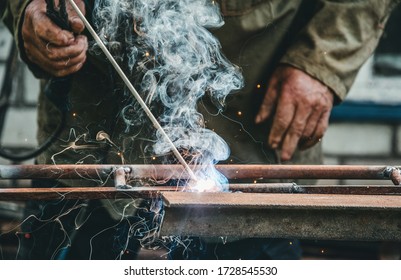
(310, 128)
(283, 117)
(294, 132)
(77, 48)
(269, 101)
(311, 123)
(59, 68)
(317, 135)
(56, 51)
(37, 26)
(58, 60)
(76, 23)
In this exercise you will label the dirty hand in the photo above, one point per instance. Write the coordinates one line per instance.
(58, 52)
(300, 107)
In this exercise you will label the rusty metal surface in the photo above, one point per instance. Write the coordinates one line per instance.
(313, 224)
(20, 194)
(304, 171)
(87, 171)
(177, 172)
(316, 189)
(243, 215)
(282, 201)
(334, 217)
(250, 210)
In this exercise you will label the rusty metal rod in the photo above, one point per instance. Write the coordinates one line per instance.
(163, 172)
(21, 194)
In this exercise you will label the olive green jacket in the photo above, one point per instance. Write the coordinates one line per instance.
(330, 40)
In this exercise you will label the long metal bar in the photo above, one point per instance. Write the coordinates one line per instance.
(305, 216)
(284, 201)
(21, 194)
(133, 90)
(317, 189)
(233, 172)
(314, 224)
(244, 215)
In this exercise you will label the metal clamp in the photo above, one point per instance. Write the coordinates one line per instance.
(120, 178)
(394, 174)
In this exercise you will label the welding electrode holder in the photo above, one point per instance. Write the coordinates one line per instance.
(59, 14)
(57, 89)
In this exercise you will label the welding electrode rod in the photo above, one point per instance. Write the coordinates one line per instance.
(133, 91)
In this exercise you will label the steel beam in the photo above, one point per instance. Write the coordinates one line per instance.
(21, 194)
(264, 214)
(317, 216)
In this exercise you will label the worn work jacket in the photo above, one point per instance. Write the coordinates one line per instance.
(329, 40)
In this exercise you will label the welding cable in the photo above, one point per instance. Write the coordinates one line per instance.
(43, 147)
(11, 69)
(61, 86)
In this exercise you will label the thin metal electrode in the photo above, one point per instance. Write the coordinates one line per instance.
(133, 90)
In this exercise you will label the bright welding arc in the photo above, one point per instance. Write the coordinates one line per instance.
(133, 90)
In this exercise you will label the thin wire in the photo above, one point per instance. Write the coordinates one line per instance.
(133, 90)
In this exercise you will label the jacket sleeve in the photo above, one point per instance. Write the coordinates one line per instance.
(12, 12)
(338, 39)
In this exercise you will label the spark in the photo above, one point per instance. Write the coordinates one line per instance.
(203, 185)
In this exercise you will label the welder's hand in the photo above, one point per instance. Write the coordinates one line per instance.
(300, 107)
(58, 52)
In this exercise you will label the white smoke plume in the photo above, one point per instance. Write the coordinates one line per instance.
(172, 57)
